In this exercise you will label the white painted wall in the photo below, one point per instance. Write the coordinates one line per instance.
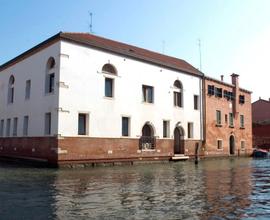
(80, 70)
(32, 68)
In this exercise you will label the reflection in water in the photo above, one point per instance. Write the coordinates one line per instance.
(215, 189)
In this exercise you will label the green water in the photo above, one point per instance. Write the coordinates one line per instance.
(215, 189)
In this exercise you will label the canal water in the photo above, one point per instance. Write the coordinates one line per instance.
(215, 189)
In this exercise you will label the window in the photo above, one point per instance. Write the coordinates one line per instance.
(109, 87)
(196, 102)
(148, 94)
(218, 92)
(241, 99)
(242, 145)
(2, 128)
(83, 124)
(166, 129)
(190, 130)
(228, 95)
(25, 125)
(27, 89)
(109, 69)
(211, 90)
(50, 76)
(218, 117)
(8, 128)
(226, 118)
(48, 123)
(242, 121)
(11, 89)
(178, 94)
(219, 144)
(125, 126)
(231, 119)
(15, 126)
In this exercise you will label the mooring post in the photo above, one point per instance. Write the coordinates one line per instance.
(197, 153)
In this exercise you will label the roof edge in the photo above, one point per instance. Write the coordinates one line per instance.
(30, 51)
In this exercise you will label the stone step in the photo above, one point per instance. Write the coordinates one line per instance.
(180, 157)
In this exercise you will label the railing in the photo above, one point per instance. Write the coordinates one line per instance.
(147, 143)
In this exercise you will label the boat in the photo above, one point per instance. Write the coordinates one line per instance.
(260, 153)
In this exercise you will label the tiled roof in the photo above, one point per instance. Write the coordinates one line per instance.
(131, 51)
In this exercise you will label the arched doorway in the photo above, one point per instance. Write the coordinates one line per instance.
(179, 147)
(232, 144)
(147, 140)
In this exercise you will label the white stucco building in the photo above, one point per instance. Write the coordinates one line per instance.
(80, 97)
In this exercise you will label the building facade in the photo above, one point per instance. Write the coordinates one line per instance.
(81, 98)
(227, 118)
(261, 123)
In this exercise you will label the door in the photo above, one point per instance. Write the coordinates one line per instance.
(232, 144)
(178, 141)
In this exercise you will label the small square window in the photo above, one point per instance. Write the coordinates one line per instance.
(211, 90)
(219, 144)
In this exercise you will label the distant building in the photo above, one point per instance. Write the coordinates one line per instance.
(80, 98)
(228, 126)
(261, 123)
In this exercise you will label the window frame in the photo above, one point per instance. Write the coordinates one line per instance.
(196, 102)
(219, 143)
(190, 130)
(218, 118)
(27, 89)
(242, 121)
(2, 128)
(231, 120)
(125, 133)
(111, 92)
(15, 127)
(148, 94)
(25, 125)
(86, 124)
(166, 129)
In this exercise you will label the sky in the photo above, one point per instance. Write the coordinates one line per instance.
(234, 34)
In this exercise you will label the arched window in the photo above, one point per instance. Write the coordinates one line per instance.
(109, 81)
(147, 140)
(109, 69)
(11, 89)
(50, 76)
(178, 94)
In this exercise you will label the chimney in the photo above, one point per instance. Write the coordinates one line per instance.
(222, 77)
(235, 82)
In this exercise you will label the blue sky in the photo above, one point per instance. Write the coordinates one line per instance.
(235, 34)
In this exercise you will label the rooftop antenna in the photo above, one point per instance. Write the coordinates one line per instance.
(91, 22)
(200, 53)
(163, 46)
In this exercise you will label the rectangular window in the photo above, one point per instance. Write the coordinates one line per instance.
(15, 127)
(166, 129)
(218, 92)
(2, 128)
(242, 121)
(109, 87)
(177, 98)
(241, 99)
(211, 90)
(51, 83)
(196, 102)
(148, 94)
(231, 119)
(27, 89)
(190, 130)
(242, 145)
(125, 126)
(25, 125)
(218, 117)
(83, 124)
(219, 144)
(226, 118)
(8, 128)
(48, 122)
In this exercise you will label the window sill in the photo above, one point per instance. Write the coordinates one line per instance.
(242, 128)
(147, 103)
(125, 136)
(221, 149)
(49, 93)
(231, 126)
(178, 107)
(218, 125)
(108, 98)
(148, 150)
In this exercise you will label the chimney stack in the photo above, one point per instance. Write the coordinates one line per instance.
(222, 77)
(236, 94)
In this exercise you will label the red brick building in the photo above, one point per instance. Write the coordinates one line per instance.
(228, 124)
(261, 123)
